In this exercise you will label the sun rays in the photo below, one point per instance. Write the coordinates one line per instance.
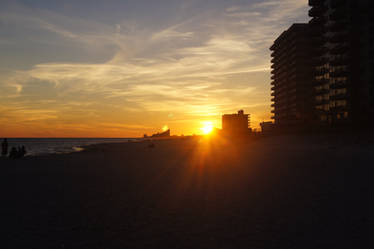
(207, 127)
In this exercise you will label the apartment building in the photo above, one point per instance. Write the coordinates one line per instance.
(236, 124)
(292, 78)
(344, 74)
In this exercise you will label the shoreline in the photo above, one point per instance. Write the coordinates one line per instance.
(47, 146)
(335, 139)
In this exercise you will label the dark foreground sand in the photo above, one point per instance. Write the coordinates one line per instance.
(278, 192)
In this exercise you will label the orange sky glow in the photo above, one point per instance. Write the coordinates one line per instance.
(113, 73)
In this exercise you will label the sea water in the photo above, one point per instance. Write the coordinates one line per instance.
(40, 146)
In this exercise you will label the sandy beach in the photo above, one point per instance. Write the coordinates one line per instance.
(268, 192)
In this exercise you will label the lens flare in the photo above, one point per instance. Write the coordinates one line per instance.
(165, 128)
(207, 128)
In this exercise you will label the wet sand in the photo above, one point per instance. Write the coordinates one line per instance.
(274, 192)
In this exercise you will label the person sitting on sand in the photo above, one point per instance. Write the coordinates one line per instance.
(13, 153)
(4, 147)
(21, 151)
(17, 152)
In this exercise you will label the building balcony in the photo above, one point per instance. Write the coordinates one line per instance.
(298, 52)
(339, 38)
(321, 101)
(272, 94)
(272, 100)
(316, 43)
(318, 21)
(315, 2)
(317, 11)
(321, 91)
(317, 30)
(339, 14)
(339, 85)
(342, 96)
(320, 111)
(339, 62)
(321, 61)
(339, 73)
(321, 82)
(272, 83)
(339, 49)
(338, 27)
(320, 50)
(335, 109)
(337, 3)
(322, 71)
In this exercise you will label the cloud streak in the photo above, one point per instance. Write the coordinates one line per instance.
(208, 64)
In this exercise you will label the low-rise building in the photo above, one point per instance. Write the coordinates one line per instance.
(236, 124)
(267, 127)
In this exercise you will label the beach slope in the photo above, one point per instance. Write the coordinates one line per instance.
(276, 192)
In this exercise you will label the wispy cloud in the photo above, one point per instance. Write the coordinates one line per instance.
(201, 67)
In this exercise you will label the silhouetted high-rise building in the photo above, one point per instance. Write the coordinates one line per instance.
(323, 71)
(292, 77)
(344, 74)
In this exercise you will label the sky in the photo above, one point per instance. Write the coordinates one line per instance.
(122, 68)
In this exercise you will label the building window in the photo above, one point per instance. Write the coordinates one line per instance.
(341, 103)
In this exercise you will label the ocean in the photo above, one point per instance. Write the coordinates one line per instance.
(40, 146)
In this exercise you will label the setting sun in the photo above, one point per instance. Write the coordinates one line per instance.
(207, 128)
(165, 128)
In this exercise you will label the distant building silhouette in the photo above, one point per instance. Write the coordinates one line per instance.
(292, 77)
(236, 124)
(162, 134)
(267, 127)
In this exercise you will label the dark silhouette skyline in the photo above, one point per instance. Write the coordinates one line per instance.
(323, 70)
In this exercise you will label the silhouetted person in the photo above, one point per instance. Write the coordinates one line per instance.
(18, 152)
(4, 147)
(22, 151)
(13, 153)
